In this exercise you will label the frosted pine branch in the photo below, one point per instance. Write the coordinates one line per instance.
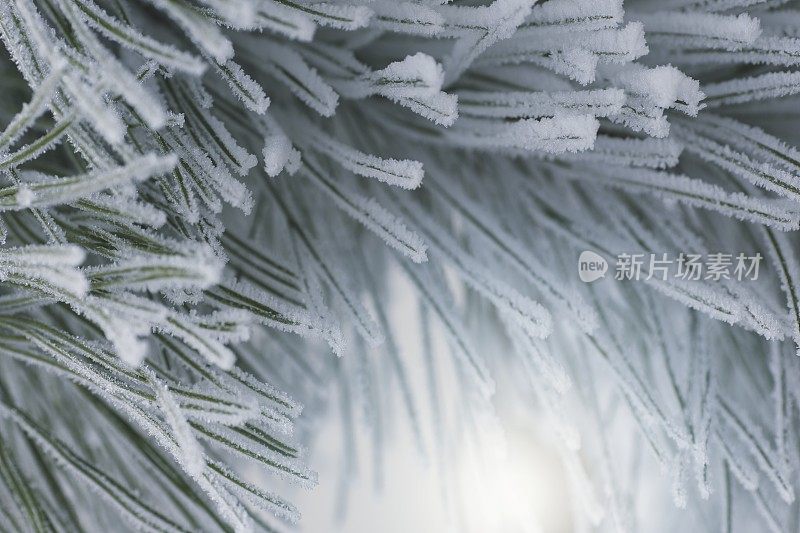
(203, 200)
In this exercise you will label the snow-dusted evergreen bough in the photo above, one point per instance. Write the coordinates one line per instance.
(197, 200)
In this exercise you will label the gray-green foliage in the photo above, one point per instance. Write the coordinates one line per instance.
(202, 200)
